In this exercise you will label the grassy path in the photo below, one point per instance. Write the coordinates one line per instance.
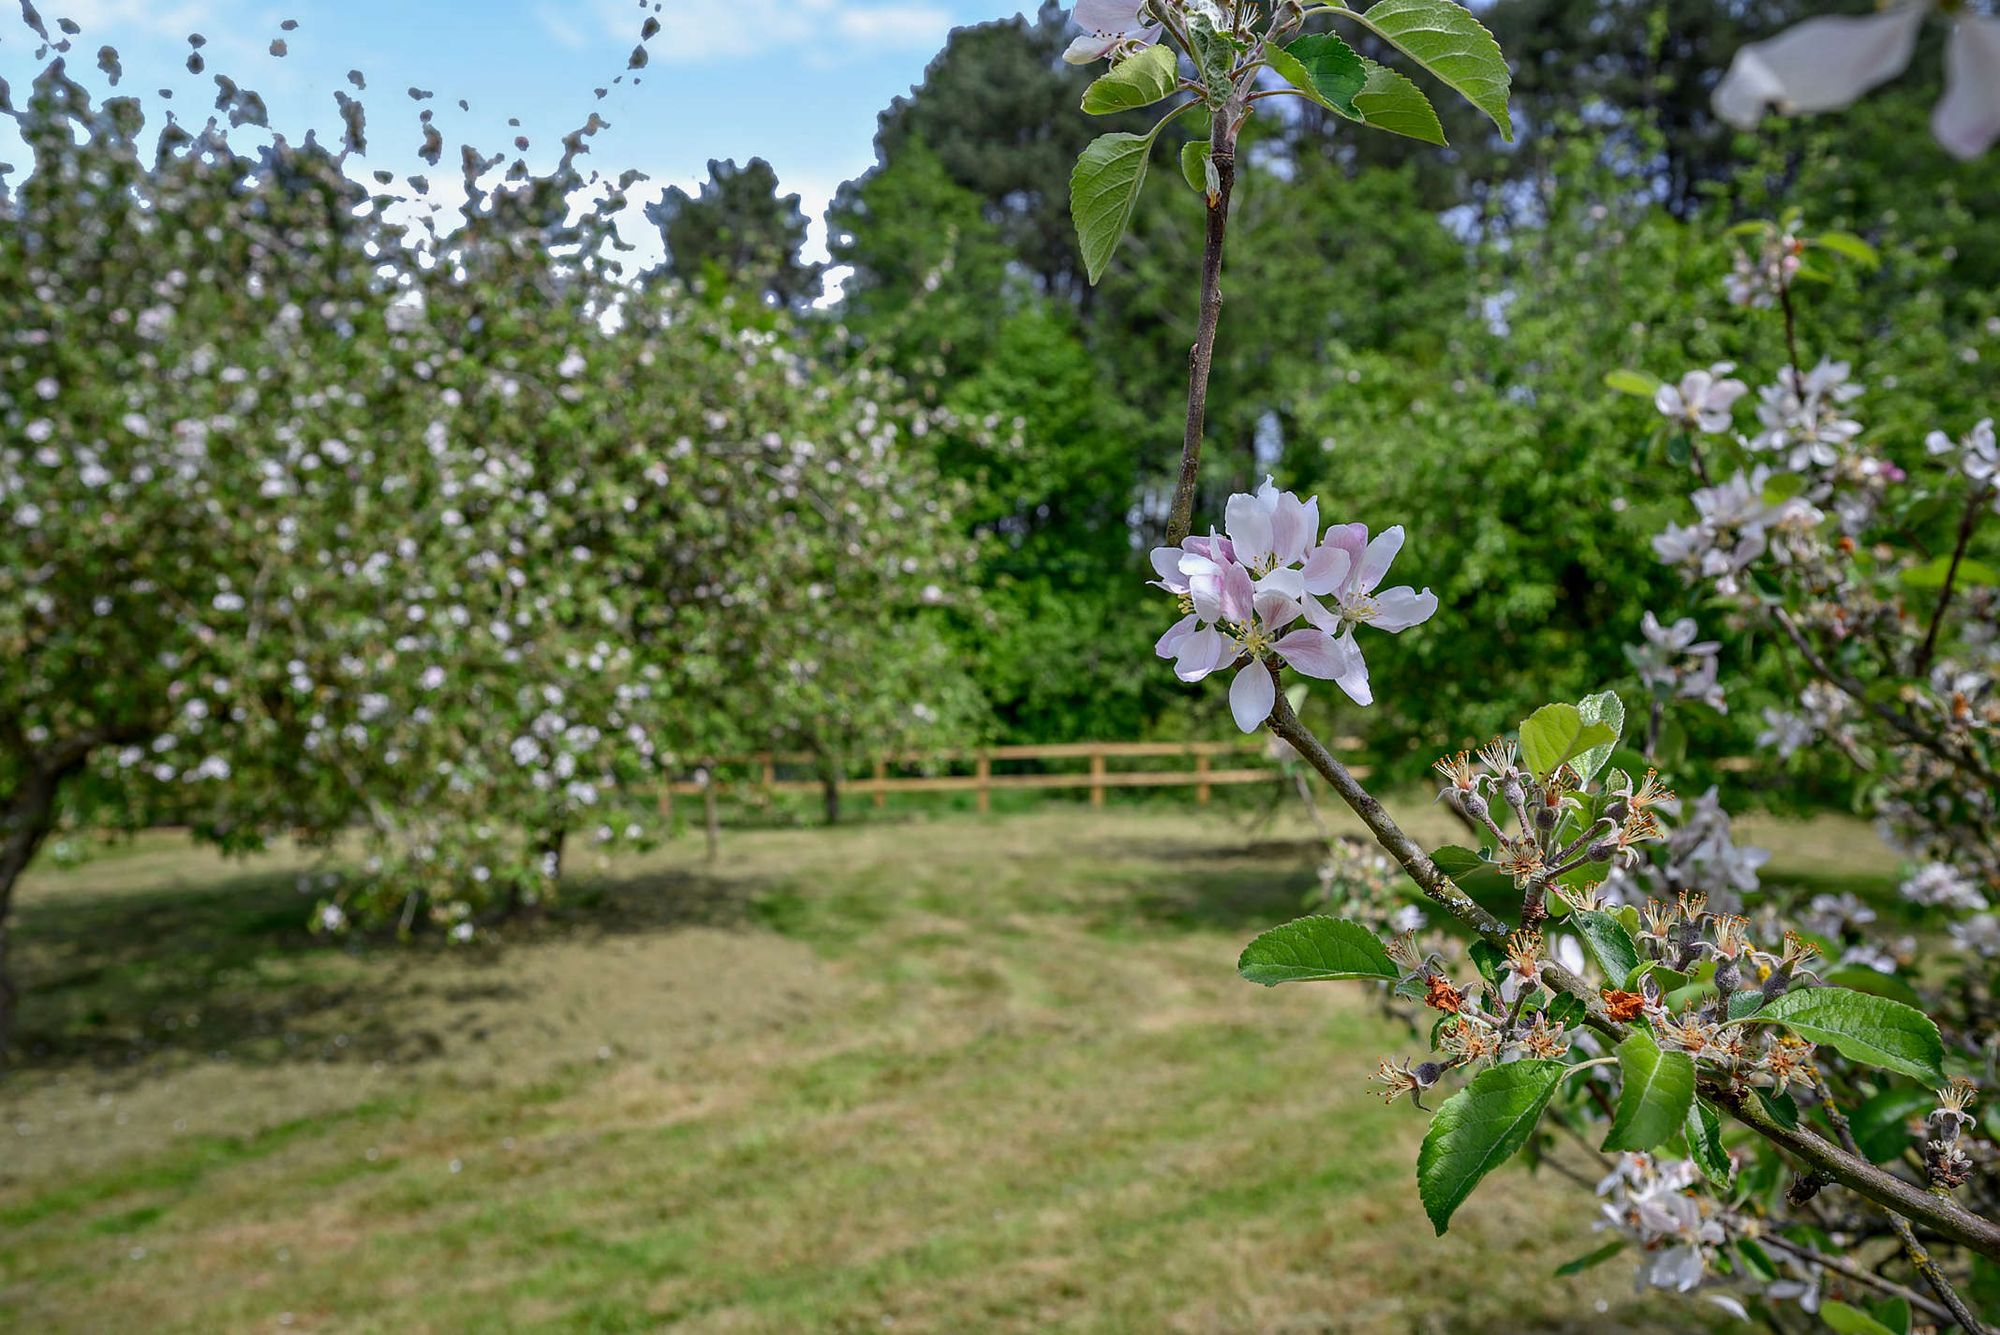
(938, 1076)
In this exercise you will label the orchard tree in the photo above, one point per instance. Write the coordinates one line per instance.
(739, 230)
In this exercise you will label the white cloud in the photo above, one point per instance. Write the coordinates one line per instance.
(695, 32)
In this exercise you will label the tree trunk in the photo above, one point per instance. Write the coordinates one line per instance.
(26, 818)
(829, 787)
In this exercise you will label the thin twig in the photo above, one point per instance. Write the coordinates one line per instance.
(1919, 1257)
(1840, 1265)
(1901, 722)
(1222, 153)
(1975, 507)
(1947, 1216)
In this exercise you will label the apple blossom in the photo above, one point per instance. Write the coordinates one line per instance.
(1345, 570)
(1110, 28)
(1703, 399)
(1804, 421)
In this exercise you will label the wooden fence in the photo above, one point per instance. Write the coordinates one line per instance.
(1215, 764)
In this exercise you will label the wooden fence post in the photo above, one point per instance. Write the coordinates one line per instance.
(770, 769)
(1097, 778)
(982, 770)
(881, 782)
(1201, 778)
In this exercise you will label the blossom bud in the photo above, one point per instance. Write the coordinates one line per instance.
(1427, 1073)
(1728, 976)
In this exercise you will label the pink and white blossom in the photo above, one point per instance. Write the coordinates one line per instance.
(1703, 400)
(1345, 571)
(1112, 28)
(1242, 594)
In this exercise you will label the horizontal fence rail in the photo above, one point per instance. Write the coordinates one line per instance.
(1098, 777)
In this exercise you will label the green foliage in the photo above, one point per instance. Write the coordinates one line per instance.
(1325, 68)
(1656, 1096)
(1874, 1031)
(1389, 101)
(1444, 38)
(1607, 709)
(1478, 1129)
(1315, 949)
(1703, 1134)
(1610, 944)
(739, 231)
(1137, 81)
(1881, 1124)
(1556, 734)
(1103, 191)
(1847, 1320)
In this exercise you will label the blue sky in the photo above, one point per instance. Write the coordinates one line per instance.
(798, 82)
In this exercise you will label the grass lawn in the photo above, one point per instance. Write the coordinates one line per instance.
(938, 1075)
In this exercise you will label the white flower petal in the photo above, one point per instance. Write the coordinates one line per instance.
(1375, 561)
(1353, 678)
(1402, 607)
(1326, 569)
(1249, 523)
(1966, 119)
(1251, 695)
(1317, 654)
(1821, 64)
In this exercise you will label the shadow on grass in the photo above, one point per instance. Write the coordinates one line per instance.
(1251, 886)
(112, 981)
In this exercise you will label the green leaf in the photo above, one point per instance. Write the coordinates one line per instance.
(1478, 1129)
(1195, 165)
(1554, 733)
(1783, 1108)
(1605, 707)
(1893, 1313)
(1931, 574)
(1488, 886)
(1659, 1086)
(1565, 1010)
(1136, 81)
(1849, 246)
(1610, 944)
(1445, 39)
(1577, 1265)
(1388, 101)
(1704, 1140)
(1850, 1320)
(1325, 69)
(1103, 190)
(1745, 1003)
(1487, 959)
(1874, 1031)
(1636, 383)
(1315, 949)
(1881, 1124)
(1781, 487)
